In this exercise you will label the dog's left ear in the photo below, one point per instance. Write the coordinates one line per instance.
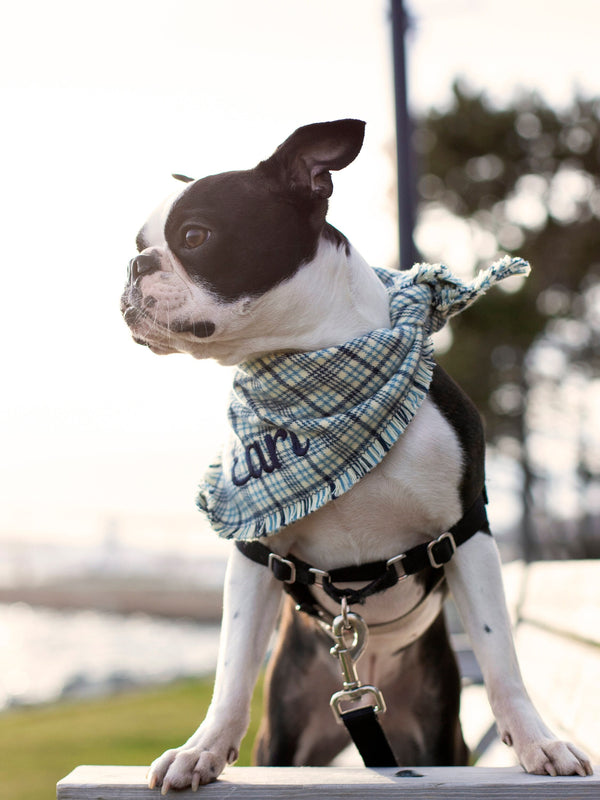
(183, 178)
(308, 155)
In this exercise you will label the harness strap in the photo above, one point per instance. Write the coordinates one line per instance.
(379, 575)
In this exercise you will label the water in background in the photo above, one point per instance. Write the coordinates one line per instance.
(46, 655)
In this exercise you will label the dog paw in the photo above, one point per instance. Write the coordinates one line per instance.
(192, 765)
(553, 757)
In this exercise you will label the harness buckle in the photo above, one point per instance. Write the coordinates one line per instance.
(394, 562)
(444, 558)
(276, 562)
(320, 576)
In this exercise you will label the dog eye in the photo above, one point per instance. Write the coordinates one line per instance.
(195, 236)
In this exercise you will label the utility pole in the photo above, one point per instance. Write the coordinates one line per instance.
(404, 154)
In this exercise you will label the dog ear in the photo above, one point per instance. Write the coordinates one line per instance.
(183, 178)
(308, 155)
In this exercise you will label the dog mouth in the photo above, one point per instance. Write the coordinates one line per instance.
(203, 329)
(137, 318)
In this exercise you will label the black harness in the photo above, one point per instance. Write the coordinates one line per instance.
(298, 577)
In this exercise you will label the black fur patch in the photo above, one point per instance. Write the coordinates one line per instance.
(257, 238)
(461, 413)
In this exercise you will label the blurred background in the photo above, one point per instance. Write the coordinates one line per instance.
(109, 577)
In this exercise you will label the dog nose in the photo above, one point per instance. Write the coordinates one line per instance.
(144, 264)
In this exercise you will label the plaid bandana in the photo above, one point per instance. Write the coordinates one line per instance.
(307, 426)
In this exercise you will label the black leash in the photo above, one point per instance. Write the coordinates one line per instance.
(369, 738)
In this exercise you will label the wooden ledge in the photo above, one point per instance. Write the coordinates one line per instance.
(335, 783)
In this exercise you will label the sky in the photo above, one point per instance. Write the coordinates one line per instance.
(101, 103)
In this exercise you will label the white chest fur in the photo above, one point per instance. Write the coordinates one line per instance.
(409, 498)
(412, 495)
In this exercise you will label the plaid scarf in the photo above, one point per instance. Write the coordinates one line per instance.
(306, 426)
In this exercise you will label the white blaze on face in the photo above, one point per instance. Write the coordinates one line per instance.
(153, 231)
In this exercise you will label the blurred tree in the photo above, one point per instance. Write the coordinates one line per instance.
(525, 179)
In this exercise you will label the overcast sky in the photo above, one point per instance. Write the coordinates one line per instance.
(100, 104)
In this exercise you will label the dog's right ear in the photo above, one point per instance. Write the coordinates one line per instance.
(305, 159)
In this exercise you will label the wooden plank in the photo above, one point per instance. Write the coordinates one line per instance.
(330, 783)
(564, 596)
(562, 678)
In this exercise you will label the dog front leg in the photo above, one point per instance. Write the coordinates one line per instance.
(475, 580)
(250, 605)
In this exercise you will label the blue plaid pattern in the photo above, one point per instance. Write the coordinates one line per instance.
(305, 427)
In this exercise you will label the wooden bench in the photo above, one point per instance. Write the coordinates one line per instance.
(331, 783)
(555, 608)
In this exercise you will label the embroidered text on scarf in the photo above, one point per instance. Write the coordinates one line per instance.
(305, 427)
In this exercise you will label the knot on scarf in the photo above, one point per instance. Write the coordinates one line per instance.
(305, 427)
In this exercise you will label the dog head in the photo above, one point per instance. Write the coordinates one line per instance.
(209, 258)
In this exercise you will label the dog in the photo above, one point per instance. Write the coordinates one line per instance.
(242, 264)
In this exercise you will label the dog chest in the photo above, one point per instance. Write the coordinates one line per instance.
(411, 496)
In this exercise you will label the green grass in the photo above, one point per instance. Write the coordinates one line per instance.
(41, 745)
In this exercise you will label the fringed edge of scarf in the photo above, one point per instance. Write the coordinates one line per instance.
(272, 522)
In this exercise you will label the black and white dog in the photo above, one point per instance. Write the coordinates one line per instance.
(242, 264)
